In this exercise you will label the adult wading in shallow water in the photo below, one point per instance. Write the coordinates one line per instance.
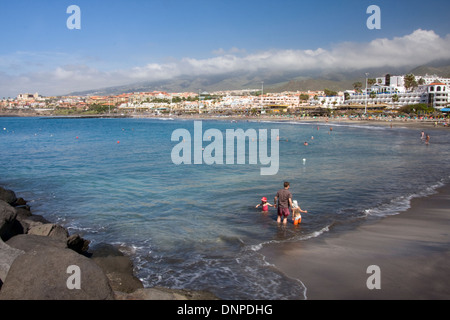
(283, 200)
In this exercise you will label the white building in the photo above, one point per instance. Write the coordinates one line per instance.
(28, 96)
(391, 91)
(399, 81)
(433, 78)
(279, 99)
(394, 99)
(394, 81)
(328, 102)
(438, 96)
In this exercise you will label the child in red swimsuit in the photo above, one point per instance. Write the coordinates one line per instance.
(264, 204)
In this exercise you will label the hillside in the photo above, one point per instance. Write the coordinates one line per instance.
(273, 82)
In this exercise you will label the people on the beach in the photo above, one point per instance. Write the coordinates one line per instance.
(296, 210)
(264, 204)
(283, 201)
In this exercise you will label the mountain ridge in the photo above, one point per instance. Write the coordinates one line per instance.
(273, 81)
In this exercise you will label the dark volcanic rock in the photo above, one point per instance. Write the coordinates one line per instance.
(50, 230)
(39, 260)
(43, 273)
(78, 244)
(7, 256)
(28, 242)
(8, 196)
(8, 222)
(118, 268)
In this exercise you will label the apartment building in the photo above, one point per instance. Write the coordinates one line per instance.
(28, 97)
(328, 102)
(438, 94)
(391, 91)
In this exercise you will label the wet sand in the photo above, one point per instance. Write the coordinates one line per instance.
(412, 250)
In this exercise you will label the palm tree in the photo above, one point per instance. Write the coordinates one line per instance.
(394, 99)
(357, 86)
(410, 81)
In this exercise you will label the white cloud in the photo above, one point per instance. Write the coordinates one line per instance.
(414, 49)
(219, 52)
(233, 50)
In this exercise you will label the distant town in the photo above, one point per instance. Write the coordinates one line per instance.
(392, 94)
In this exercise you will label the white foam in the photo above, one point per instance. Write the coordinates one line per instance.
(401, 203)
(315, 234)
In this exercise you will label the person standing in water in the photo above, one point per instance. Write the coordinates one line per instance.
(296, 213)
(283, 201)
(264, 204)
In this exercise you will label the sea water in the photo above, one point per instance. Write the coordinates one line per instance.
(196, 226)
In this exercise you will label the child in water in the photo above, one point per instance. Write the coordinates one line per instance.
(296, 216)
(264, 204)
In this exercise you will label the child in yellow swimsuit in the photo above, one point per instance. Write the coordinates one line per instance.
(296, 210)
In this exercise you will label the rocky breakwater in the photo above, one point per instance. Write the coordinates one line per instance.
(40, 260)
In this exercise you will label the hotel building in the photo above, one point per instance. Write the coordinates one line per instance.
(391, 91)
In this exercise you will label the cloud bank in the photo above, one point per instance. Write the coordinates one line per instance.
(417, 48)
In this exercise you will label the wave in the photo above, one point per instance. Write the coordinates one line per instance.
(353, 125)
(242, 273)
(315, 234)
(402, 203)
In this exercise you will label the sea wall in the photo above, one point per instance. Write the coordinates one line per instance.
(40, 260)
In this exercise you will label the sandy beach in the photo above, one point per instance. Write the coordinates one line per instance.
(411, 249)
(419, 124)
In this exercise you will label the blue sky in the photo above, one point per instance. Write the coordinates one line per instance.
(125, 41)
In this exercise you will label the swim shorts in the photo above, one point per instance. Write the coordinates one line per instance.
(283, 212)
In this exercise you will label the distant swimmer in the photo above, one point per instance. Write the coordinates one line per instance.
(281, 139)
(305, 143)
(422, 136)
(427, 140)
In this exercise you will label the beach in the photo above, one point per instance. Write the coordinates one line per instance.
(411, 250)
(375, 120)
(347, 228)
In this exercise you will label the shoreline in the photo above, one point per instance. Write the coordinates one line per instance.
(333, 266)
(35, 254)
(411, 250)
(436, 124)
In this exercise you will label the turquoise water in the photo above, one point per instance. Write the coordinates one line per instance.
(196, 226)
